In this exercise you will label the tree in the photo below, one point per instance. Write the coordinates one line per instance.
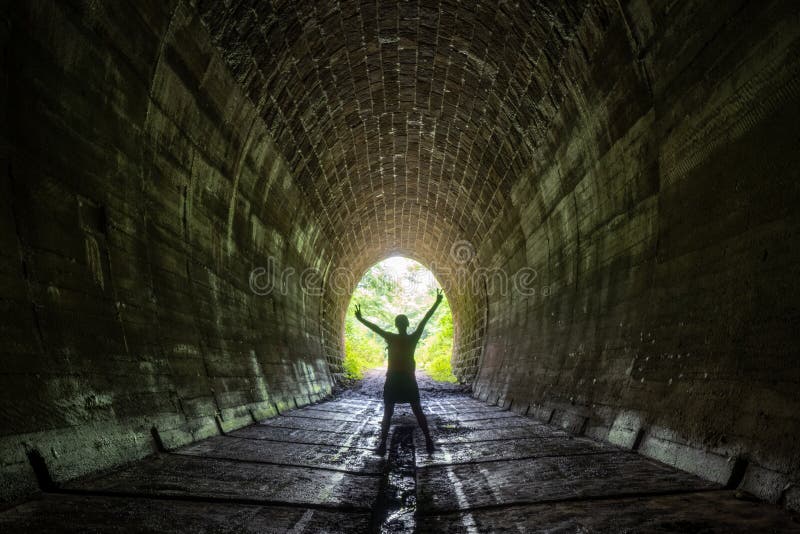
(388, 288)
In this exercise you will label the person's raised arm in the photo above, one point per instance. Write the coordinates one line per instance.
(424, 321)
(372, 326)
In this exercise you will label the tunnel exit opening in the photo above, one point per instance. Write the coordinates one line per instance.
(395, 286)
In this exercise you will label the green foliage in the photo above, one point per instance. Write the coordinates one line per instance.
(363, 348)
(435, 351)
(387, 289)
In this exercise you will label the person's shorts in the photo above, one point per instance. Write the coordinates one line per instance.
(400, 387)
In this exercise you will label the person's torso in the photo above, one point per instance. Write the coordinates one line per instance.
(401, 353)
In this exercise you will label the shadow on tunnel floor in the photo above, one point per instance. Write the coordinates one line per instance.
(314, 469)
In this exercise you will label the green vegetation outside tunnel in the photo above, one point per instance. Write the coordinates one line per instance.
(391, 287)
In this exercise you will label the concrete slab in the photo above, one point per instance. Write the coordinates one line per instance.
(547, 479)
(318, 425)
(81, 514)
(324, 409)
(186, 476)
(481, 415)
(346, 405)
(315, 416)
(508, 450)
(713, 512)
(482, 424)
(367, 440)
(470, 434)
(298, 454)
(459, 408)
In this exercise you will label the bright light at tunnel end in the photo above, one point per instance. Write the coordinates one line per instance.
(461, 273)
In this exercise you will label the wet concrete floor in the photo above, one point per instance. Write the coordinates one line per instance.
(314, 469)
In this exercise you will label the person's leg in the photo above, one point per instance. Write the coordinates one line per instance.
(416, 407)
(388, 410)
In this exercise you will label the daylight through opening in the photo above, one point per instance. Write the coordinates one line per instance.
(395, 286)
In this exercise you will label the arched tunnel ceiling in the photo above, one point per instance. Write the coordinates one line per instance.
(404, 122)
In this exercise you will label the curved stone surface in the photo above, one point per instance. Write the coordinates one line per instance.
(606, 189)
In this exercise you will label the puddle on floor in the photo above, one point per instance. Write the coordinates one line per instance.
(399, 498)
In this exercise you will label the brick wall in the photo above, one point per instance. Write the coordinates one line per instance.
(660, 213)
(139, 189)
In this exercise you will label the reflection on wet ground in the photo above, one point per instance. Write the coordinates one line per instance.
(314, 469)
(397, 505)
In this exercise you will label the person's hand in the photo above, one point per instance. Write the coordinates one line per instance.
(358, 311)
(439, 295)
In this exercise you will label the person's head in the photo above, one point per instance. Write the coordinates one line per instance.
(401, 322)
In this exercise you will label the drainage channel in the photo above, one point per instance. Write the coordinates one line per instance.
(397, 502)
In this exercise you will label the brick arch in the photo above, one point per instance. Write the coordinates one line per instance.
(406, 124)
(585, 140)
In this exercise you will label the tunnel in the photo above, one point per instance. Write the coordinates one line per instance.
(606, 190)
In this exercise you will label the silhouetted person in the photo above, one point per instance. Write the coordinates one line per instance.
(401, 384)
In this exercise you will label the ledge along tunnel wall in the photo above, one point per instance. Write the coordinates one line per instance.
(638, 159)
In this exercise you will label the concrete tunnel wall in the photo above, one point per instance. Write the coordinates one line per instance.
(140, 188)
(639, 157)
(660, 212)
